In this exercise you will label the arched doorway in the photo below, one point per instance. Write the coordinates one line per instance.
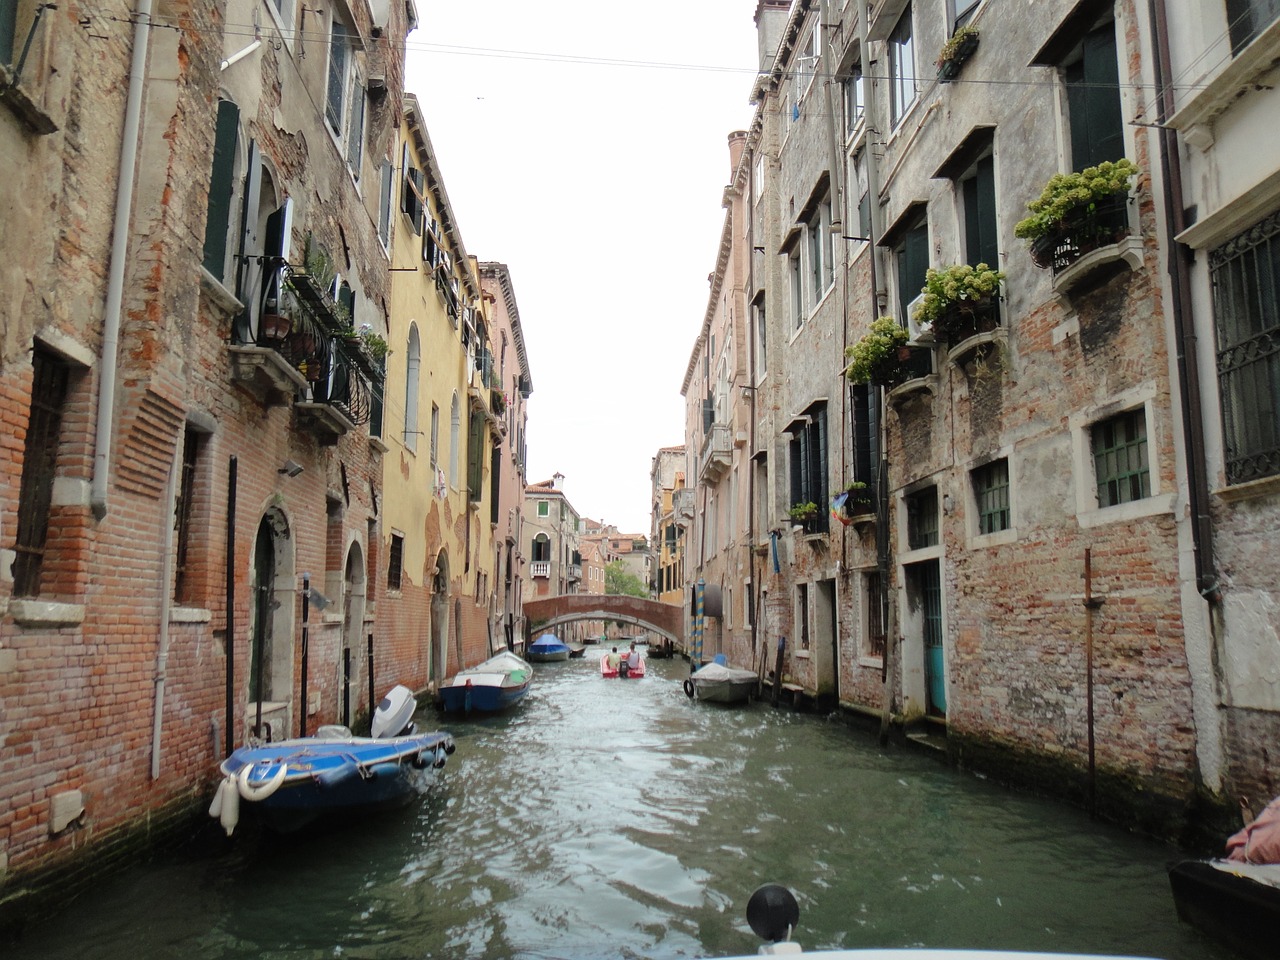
(438, 653)
(353, 596)
(271, 630)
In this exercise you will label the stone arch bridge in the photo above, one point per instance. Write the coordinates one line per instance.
(661, 618)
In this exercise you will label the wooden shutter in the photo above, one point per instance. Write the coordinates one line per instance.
(866, 439)
(1093, 101)
(475, 446)
(221, 183)
(384, 203)
(981, 242)
(250, 271)
(355, 130)
(913, 264)
(818, 462)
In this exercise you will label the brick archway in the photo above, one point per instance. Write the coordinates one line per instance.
(662, 618)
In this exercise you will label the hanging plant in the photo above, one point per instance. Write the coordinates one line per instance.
(803, 512)
(954, 297)
(960, 46)
(1068, 194)
(876, 351)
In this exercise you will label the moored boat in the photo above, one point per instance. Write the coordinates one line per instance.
(721, 683)
(292, 783)
(548, 648)
(1233, 902)
(498, 683)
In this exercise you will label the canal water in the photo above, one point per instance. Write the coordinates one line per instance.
(620, 819)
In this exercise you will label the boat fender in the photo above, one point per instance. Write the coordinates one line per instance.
(226, 804)
(254, 794)
(419, 761)
(439, 761)
(688, 688)
(450, 747)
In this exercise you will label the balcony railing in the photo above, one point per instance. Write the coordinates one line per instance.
(540, 568)
(717, 453)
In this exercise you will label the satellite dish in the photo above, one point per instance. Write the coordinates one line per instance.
(772, 912)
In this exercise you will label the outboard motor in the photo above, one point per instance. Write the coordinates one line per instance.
(394, 716)
(772, 913)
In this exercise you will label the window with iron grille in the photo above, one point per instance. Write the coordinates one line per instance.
(1246, 291)
(991, 494)
(922, 519)
(395, 562)
(39, 461)
(874, 598)
(183, 588)
(1120, 458)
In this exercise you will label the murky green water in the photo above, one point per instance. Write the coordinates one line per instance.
(619, 819)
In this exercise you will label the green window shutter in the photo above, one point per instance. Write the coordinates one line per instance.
(913, 264)
(220, 187)
(982, 244)
(475, 466)
(1093, 101)
(8, 29)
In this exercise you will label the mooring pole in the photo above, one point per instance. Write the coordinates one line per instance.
(371, 701)
(1090, 604)
(302, 694)
(230, 650)
(346, 687)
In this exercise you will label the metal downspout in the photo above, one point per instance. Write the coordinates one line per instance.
(884, 553)
(119, 247)
(166, 603)
(1184, 323)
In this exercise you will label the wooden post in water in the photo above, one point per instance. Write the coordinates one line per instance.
(1090, 604)
(372, 702)
(302, 693)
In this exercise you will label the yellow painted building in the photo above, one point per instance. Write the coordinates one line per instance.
(436, 598)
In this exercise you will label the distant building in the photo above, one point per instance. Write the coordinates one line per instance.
(667, 534)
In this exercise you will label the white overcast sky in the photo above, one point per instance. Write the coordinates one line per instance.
(599, 184)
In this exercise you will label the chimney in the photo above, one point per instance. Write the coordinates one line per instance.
(557, 481)
(771, 20)
(737, 144)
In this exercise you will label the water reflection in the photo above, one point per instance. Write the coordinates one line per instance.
(618, 818)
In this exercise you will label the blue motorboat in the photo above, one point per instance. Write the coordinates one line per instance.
(547, 649)
(498, 683)
(292, 783)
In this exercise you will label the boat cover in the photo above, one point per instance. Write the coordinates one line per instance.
(714, 672)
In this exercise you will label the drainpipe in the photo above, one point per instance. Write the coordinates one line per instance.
(119, 246)
(884, 552)
(1184, 322)
(166, 602)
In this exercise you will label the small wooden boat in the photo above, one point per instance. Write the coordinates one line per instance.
(721, 683)
(498, 683)
(577, 651)
(293, 783)
(1235, 903)
(613, 673)
(548, 648)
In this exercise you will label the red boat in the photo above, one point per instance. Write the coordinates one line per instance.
(610, 673)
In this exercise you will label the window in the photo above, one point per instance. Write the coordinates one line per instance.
(544, 508)
(1093, 100)
(386, 185)
(854, 99)
(1248, 18)
(821, 269)
(991, 496)
(978, 194)
(873, 601)
(762, 353)
(1246, 290)
(961, 12)
(912, 257)
(8, 29)
(475, 455)
(902, 68)
(858, 187)
(183, 586)
(395, 562)
(341, 67)
(412, 373)
(39, 463)
(1120, 458)
(802, 614)
(435, 436)
(797, 290)
(221, 188)
(922, 519)
(866, 437)
(455, 426)
(541, 552)
(412, 198)
(808, 453)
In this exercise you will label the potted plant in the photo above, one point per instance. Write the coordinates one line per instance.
(1077, 213)
(960, 46)
(959, 301)
(275, 324)
(374, 345)
(804, 512)
(878, 355)
(853, 501)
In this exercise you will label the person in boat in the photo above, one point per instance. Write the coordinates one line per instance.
(613, 659)
(633, 659)
(1259, 841)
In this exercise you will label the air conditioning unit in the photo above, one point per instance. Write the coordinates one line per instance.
(917, 333)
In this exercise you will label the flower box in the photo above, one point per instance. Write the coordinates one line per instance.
(959, 47)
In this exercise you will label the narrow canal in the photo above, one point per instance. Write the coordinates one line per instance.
(620, 819)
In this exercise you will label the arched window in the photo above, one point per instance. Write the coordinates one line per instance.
(414, 355)
(455, 426)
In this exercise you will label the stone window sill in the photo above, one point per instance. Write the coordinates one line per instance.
(46, 613)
